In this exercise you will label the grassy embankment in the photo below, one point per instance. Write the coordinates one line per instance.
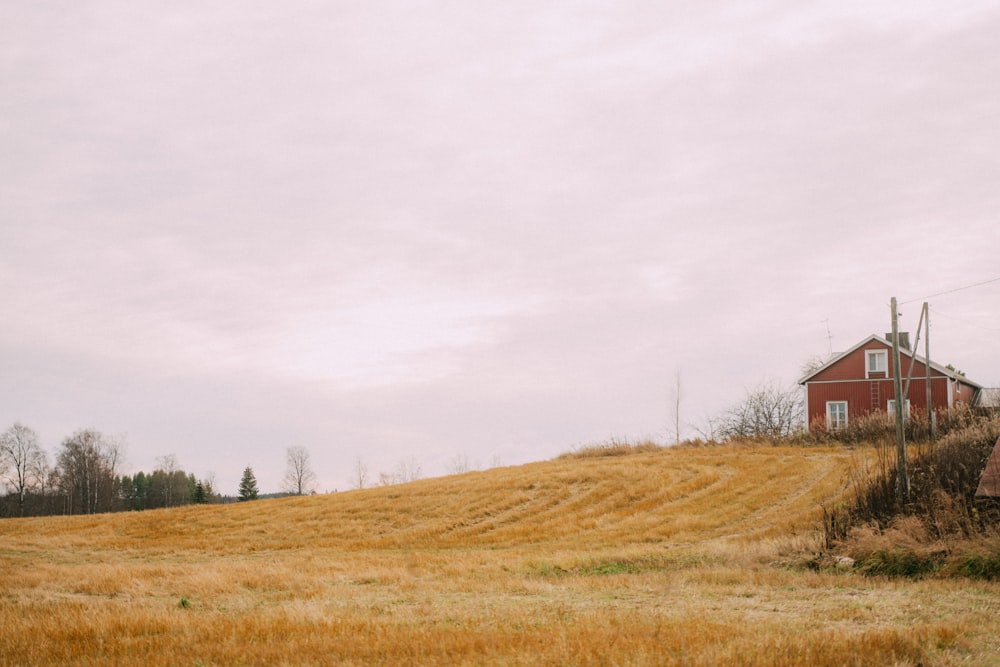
(682, 556)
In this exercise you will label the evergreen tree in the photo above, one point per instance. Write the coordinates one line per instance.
(140, 497)
(248, 485)
(198, 496)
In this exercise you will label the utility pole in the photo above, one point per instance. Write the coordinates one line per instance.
(677, 406)
(902, 477)
(927, 369)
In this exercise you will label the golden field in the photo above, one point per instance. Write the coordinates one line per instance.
(684, 556)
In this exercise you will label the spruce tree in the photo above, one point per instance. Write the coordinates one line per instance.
(199, 496)
(248, 485)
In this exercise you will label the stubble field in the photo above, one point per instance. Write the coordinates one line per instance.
(685, 556)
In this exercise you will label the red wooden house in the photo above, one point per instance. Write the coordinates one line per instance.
(860, 381)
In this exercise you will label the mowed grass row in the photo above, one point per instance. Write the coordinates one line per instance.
(674, 496)
(679, 556)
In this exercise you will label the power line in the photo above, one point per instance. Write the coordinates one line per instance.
(965, 321)
(957, 289)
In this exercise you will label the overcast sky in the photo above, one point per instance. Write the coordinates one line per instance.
(490, 230)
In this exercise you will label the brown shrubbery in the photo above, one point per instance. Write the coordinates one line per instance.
(612, 447)
(876, 427)
(939, 526)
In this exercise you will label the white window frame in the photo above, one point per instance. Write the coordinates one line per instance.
(890, 409)
(831, 407)
(871, 355)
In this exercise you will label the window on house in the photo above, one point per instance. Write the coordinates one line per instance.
(836, 415)
(890, 408)
(878, 362)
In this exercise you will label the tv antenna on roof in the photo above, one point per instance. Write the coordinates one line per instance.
(829, 338)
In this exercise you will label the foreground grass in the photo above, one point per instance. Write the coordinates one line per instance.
(687, 557)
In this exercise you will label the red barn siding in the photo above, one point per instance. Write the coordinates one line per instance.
(854, 365)
(845, 380)
(866, 396)
(850, 367)
(964, 393)
(857, 395)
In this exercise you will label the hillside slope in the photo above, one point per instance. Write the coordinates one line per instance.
(675, 557)
(670, 498)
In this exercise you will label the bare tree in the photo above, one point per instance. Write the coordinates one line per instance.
(710, 431)
(458, 465)
(359, 475)
(114, 452)
(408, 470)
(299, 477)
(676, 395)
(769, 411)
(170, 480)
(812, 364)
(23, 461)
(86, 472)
(990, 397)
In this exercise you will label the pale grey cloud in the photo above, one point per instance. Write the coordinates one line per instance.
(427, 229)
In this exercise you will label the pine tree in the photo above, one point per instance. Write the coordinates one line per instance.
(199, 496)
(248, 485)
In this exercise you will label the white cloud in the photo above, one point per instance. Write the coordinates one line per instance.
(393, 228)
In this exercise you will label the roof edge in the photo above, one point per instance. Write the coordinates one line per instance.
(910, 353)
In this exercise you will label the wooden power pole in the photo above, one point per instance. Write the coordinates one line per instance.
(902, 477)
(927, 369)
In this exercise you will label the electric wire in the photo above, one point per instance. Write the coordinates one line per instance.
(962, 320)
(957, 289)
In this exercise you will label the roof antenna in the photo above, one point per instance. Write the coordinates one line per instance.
(829, 339)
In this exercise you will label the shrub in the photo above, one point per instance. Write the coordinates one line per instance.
(943, 481)
(878, 426)
(898, 563)
(768, 412)
(978, 566)
(613, 447)
(945, 476)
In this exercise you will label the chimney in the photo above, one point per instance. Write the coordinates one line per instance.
(904, 339)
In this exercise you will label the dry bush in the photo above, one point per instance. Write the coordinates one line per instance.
(944, 477)
(977, 560)
(769, 411)
(879, 427)
(870, 429)
(612, 447)
(871, 493)
(941, 501)
(904, 548)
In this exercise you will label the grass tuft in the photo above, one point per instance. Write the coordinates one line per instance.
(613, 447)
(899, 562)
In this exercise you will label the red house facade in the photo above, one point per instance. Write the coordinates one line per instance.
(860, 381)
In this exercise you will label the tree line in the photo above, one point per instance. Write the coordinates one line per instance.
(86, 477)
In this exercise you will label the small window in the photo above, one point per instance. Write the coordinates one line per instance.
(890, 408)
(836, 415)
(878, 362)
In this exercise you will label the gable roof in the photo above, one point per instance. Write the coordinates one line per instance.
(902, 351)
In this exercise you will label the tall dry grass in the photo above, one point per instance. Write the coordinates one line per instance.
(938, 527)
(878, 427)
(667, 557)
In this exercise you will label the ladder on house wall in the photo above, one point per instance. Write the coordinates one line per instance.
(875, 402)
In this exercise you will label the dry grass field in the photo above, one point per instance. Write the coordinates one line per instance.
(687, 556)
